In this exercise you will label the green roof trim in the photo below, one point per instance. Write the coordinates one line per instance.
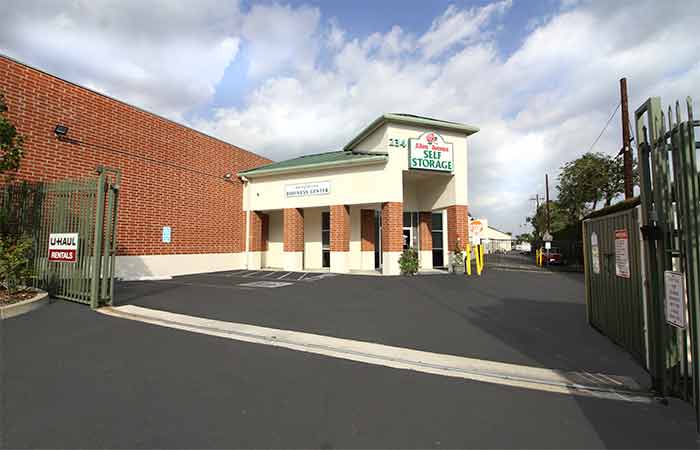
(410, 119)
(315, 162)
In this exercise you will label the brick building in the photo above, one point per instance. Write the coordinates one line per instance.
(401, 182)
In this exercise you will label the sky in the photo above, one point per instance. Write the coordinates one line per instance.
(539, 78)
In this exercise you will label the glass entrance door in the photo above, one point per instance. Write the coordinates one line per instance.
(326, 239)
(410, 230)
(377, 240)
(438, 250)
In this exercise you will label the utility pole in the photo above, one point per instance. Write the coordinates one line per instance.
(536, 198)
(546, 187)
(626, 148)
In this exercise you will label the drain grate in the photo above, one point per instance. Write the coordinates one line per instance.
(266, 284)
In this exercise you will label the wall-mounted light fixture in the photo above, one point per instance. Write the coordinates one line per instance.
(227, 177)
(61, 131)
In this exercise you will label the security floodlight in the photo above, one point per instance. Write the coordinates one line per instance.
(61, 131)
(227, 177)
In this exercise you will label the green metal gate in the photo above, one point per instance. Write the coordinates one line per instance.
(671, 229)
(615, 303)
(87, 207)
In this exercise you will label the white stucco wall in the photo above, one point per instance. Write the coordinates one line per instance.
(312, 238)
(374, 183)
(274, 256)
(359, 186)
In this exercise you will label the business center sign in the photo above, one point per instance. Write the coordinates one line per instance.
(307, 189)
(430, 152)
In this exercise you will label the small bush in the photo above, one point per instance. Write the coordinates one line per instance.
(458, 254)
(408, 262)
(15, 256)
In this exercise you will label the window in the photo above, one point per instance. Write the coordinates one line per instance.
(325, 239)
(410, 230)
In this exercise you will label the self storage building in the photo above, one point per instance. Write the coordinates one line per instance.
(401, 182)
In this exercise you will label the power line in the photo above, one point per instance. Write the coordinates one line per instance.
(144, 158)
(604, 128)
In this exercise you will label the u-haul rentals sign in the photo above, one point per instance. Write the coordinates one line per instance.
(430, 152)
(63, 247)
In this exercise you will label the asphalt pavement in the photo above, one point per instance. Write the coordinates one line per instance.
(535, 319)
(74, 378)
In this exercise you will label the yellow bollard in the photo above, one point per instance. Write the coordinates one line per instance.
(479, 259)
(468, 262)
(481, 251)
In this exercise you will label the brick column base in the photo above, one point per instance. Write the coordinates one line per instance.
(255, 240)
(392, 237)
(425, 239)
(340, 238)
(457, 228)
(293, 239)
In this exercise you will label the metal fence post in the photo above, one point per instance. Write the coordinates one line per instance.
(97, 249)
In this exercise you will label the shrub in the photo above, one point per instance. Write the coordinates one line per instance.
(15, 256)
(408, 262)
(458, 254)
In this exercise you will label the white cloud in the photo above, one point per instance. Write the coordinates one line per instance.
(538, 108)
(315, 86)
(159, 55)
(281, 37)
(457, 26)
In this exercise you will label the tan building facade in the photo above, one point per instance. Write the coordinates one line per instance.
(401, 182)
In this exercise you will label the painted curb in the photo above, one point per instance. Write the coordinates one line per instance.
(25, 306)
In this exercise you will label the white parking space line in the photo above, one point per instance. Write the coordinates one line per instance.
(252, 273)
(267, 274)
(302, 276)
(520, 376)
(286, 274)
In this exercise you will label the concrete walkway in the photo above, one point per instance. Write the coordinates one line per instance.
(575, 383)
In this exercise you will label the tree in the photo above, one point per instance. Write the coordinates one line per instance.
(589, 179)
(11, 141)
(559, 219)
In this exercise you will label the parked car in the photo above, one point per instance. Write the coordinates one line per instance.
(553, 256)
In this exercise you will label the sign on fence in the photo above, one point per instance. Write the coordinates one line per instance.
(622, 254)
(674, 283)
(595, 253)
(63, 247)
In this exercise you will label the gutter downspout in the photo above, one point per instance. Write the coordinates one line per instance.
(246, 205)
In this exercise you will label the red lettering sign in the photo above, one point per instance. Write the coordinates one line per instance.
(63, 256)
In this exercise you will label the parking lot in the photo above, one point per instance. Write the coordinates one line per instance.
(90, 380)
(509, 316)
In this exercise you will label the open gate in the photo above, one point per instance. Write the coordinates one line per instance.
(671, 230)
(87, 207)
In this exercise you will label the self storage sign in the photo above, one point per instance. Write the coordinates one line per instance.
(430, 152)
(63, 247)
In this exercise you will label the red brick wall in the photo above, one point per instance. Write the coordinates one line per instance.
(425, 223)
(293, 230)
(340, 228)
(256, 231)
(205, 212)
(367, 230)
(457, 226)
(392, 227)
